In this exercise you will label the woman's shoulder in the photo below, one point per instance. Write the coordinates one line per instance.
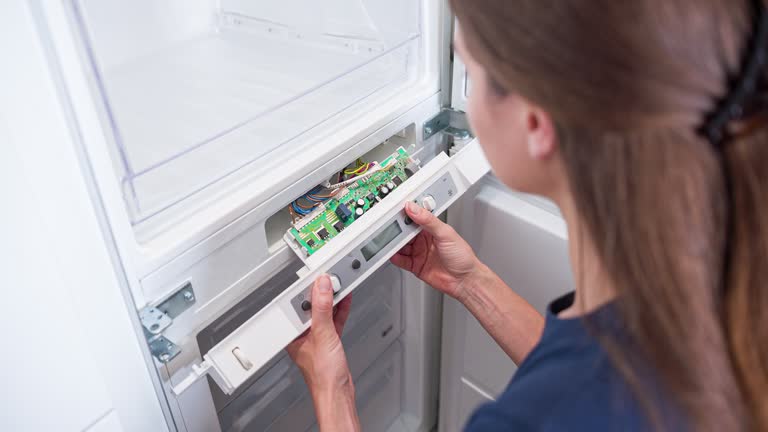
(576, 393)
(566, 383)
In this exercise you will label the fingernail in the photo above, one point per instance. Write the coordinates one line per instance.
(324, 283)
(415, 209)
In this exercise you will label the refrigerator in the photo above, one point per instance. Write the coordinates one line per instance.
(152, 152)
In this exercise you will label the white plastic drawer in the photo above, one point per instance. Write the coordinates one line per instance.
(278, 400)
(379, 392)
(192, 108)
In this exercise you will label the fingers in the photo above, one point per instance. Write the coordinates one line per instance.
(428, 221)
(403, 261)
(322, 307)
(342, 313)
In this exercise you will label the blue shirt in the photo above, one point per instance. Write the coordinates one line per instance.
(567, 383)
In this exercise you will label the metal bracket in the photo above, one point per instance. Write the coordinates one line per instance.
(163, 349)
(156, 320)
(449, 122)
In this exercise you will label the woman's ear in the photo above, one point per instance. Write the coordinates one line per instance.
(542, 140)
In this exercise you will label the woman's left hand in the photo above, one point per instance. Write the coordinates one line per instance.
(320, 356)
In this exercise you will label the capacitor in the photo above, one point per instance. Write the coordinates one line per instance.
(384, 190)
(360, 202)
(359, 211)
(391, 186)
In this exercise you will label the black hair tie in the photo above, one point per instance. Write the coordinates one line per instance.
(741, 101)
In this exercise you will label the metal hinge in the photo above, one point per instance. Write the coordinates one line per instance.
(156, 319)
(448, 122)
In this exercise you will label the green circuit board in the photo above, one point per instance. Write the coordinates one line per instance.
(317, 229)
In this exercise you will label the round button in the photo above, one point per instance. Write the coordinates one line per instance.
(408, 220)
(356, 264)
(336, 284)
(429, 203)
(306, 305)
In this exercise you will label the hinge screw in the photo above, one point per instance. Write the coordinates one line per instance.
(164, 357)
(188, 296)
(427, 130)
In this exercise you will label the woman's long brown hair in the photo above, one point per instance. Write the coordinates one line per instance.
(628, 83)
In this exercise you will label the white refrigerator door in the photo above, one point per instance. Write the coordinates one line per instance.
(523, 239)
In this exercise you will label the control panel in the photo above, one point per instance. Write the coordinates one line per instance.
(377, 246)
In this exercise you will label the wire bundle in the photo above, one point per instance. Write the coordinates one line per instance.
(307, 203)
(310, 200)
(360, 168)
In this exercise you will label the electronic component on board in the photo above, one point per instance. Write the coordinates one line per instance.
(343, 212)
(322, 213)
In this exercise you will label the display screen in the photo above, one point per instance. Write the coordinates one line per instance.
(381, 241)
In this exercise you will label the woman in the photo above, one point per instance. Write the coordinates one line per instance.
(645, 122)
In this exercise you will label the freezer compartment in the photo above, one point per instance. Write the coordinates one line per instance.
(379, 392)
(276, 397)
(201, 96)
(285, 405)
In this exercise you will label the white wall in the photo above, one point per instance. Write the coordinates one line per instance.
(70, 359)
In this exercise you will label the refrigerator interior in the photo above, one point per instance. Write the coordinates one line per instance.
(393, 364)
(200, 96)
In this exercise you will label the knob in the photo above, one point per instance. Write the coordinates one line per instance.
(336, 284)
(429, 203)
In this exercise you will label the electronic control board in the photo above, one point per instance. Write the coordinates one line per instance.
(350, 202)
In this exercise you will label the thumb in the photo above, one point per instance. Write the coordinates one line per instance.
(322, 306)
(428, 221)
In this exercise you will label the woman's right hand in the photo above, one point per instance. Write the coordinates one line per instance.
(438, 255)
